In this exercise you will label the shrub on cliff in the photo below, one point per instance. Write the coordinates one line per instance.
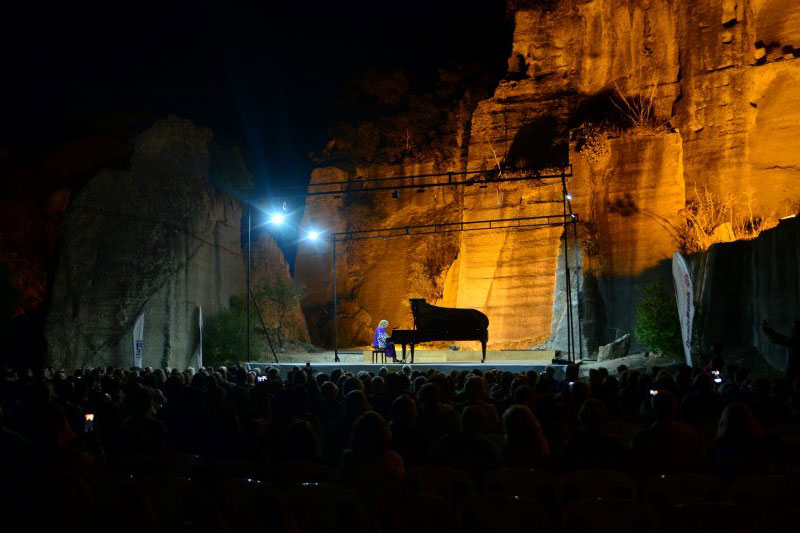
(657, 325)
(225, 336)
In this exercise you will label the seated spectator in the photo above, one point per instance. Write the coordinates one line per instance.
(302, 443)
(224, 437)
(589, 448)
(666, 447)
(368, 465)
(741, 447)
(339, 431)
(468, 449)
(54, 446)
(524, 445)
(435, 419)
(407, 439)
(702, 406)
(476, 395)
(141, 431)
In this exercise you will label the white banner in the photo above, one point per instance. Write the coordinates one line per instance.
(684, 295)
(138, 340)
(198, 353)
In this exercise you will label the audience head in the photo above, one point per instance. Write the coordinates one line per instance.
(370, 435)
(302, 443)
(522, 429)
(355, 404)
(592, 415)
(664, 406)
(474, 420)
(430, 395)
(475, 389)
(403, 412)
(738, 422)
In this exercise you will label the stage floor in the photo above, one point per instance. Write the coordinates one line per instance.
(442, 360)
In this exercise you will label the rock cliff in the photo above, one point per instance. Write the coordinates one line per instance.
(156, 239)
(740, 285)
(684, 96)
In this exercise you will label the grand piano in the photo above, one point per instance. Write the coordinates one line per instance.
(432, 323)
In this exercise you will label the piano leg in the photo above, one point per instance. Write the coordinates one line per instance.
(404, 352)
(483, 351)
(412, 354)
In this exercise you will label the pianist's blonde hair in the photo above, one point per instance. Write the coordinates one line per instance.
(383, 323)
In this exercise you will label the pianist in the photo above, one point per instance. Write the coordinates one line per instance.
(380, 341)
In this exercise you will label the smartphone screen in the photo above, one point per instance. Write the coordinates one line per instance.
(88, 422)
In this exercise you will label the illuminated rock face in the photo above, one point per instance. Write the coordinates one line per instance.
(156, 239)
(724, 74)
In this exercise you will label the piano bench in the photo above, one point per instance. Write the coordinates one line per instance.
(375, 352)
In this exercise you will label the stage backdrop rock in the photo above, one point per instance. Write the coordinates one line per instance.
(157, 239)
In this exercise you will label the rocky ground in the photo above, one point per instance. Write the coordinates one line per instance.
(639, 361)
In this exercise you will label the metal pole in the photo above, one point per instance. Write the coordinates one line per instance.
(566, 270)
(335, 308)
(578, 281)
(248, 278)
(261, 319)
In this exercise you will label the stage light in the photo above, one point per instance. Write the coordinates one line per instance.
(313, 235)
(569, 197)
(277, 218)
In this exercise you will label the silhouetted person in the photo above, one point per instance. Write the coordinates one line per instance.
(666, 447)
(468, 448)
(369, 465)
(524, 444)
(588, 448)
(792, 369)
(741, 447)
(407, 439)
(435, 419)
(141, 431)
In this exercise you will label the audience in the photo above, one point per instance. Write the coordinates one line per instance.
(370, 428)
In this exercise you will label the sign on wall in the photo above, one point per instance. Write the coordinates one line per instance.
(138, 341)
(684, 295)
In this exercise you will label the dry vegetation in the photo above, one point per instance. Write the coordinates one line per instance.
(709, 220)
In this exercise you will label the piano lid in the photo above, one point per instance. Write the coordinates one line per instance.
(427, 316)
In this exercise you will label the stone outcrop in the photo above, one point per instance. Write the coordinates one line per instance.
(721, 77)
(616, 349)
(740, 285)
(156, 239)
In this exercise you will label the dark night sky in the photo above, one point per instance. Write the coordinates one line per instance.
(262, 76)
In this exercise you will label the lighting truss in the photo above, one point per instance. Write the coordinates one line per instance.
(481, 178)
(451, 227)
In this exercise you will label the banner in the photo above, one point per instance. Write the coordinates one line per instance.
(138, 339)
(198, 353)
(684, 295)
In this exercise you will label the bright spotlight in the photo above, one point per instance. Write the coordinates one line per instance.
(569, 197)
(313, 235)
(277, 218)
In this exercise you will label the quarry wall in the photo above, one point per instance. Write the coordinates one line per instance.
(720, 78)
(157, 239)
(740, 285)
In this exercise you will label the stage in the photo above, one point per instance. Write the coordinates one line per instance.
(354, 360)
